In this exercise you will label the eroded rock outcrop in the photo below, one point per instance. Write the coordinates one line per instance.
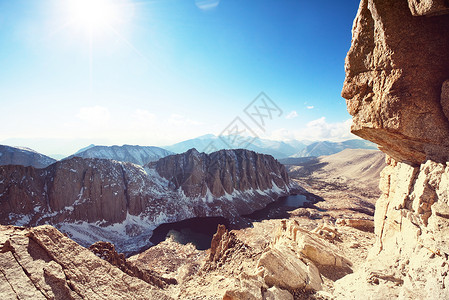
(106, 251)
(396, 89)
(42, 263)
(395, 71)
(221, 172)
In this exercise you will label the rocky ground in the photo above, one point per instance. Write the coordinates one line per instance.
(336, 228)
(275, 259)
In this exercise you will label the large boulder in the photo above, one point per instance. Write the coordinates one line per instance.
(395, 71)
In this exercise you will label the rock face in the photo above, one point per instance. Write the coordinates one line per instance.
(138, 155)
(42, 263)
(428, 7)
(396, 90)
(23, 157)
(222, 172)
(106, 251)
(395, 71)
(97, 199)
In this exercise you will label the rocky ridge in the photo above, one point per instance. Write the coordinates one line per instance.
(97, 199)
(23, 157)
(396, 89)
(139, 155)
(42, 263)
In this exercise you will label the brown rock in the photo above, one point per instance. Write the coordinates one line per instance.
(249, 288)
(42, 263)
(396, 88)
(106, 251)
(394, 74)
(283, 268)
(428, 7)
(221, 172)
(224, 244)
(365, 225)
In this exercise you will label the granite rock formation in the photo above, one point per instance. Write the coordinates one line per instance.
(42, 263)
(396, 89)
(97, 199)
(395, 71)
(221, 172)
(23, 157)
(106, 251)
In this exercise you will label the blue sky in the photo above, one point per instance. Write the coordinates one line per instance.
(160, 71)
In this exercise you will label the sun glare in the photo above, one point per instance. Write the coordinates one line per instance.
(93, 15)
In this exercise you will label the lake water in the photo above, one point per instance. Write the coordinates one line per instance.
(199, 231)
(278, 209)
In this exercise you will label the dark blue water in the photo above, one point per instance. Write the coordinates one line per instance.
(278, 209)
(293, 201)
(199, 231)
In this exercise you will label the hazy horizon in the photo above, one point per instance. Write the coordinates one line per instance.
(78, 145)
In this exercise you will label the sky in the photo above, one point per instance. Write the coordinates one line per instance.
(156, 72)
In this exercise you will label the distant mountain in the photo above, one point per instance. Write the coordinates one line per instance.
(359, 168)
(57, 156)
(329, 148)
(84, 149)
(140, 155)
(277, 149)
(24, 157)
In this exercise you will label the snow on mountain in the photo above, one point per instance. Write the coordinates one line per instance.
(24, 157)
(277, 149)
(329, 148)
(140, 155)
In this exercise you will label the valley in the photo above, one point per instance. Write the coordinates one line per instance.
(179, 251)
(310, 212)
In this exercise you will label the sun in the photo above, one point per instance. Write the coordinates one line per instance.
(93, 15)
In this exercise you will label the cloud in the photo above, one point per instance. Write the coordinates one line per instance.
(180, 120)
(293, 114)
(144, 116)
(317, 130)
(94, 114)
(207, 4)
(320, 129)
(310, 107)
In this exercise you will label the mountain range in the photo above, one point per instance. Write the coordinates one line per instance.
(278, 149)
(23, 156)
(139, 155)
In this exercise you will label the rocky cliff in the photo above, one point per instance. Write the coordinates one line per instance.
(24, 157)
(396, 87)
(97, 199)
(222, 172)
